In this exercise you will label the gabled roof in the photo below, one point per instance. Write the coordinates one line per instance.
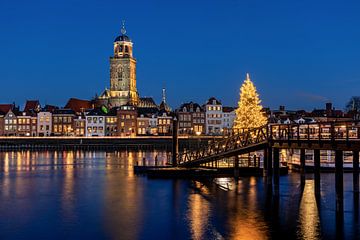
(64, 111)
(49, 108)
(78, 105)
(147, 102)
(4, 108)
(190, 107)
(32, 106)
(228, 109)
(211, 101)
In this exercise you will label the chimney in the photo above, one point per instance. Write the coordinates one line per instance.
(329, 109)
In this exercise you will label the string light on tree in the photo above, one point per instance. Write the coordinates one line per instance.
(249, 112)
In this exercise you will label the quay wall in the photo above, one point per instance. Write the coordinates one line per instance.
(100, 143)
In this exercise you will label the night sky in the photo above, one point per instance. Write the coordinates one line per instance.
(299, 53)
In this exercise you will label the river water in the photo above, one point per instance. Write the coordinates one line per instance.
(95, 195)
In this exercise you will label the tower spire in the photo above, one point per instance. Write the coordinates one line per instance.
(123, 30)
(247, 76)
(163, 95)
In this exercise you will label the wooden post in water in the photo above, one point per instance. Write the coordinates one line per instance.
(339, 184)
(269, 165)
(276, 152)
(236, 167)
(317, 171)
(175, 142)
(265, 160)
(302, 166)
(356, 172)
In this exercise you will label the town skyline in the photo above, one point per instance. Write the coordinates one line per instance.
(69, 52)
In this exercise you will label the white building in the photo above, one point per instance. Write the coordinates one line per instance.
(214, 117)
(147, 125)
(229, 116)
(44, 123)
(95, 123)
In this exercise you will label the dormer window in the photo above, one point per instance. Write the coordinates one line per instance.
(184, 109)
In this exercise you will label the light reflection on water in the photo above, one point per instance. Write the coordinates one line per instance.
(95, 195)
(309, 220)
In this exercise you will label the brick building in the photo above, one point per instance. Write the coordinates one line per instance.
(126, 116)
(63, 122)
(191, 119)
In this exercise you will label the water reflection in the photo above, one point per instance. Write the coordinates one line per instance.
(198, 216)
(95, 195)
(309, 220)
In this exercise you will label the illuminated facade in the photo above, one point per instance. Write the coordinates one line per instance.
(122, 75)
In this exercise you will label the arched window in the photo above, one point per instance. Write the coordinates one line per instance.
(126, 49)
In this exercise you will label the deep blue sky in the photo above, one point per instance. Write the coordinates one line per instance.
(299, 53)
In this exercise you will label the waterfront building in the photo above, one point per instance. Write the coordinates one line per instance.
(63, 120)
(126, 116)
(44, 123)
(147, 121)
(214, 116)
(164, 122)
(23, 125)
(10, 120)
(31, 109)
(4, 109)
(80, 125)
(191, 119)
(95, 123)
(111, 123)
(229, 115)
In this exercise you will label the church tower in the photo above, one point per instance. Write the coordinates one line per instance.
(123, 72)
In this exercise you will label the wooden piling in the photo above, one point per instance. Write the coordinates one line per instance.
(356, 172)
(339, 184)
(276, 159)
(302, 167)
(317, 171)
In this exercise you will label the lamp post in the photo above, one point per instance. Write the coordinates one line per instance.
(198, 133)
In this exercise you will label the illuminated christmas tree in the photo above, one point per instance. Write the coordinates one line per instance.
(249, 112)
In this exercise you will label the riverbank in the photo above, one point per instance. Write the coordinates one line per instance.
(101, 143)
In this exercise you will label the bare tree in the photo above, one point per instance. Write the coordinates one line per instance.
(353, 104)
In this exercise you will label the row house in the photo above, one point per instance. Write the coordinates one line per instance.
(214, 117)
(10, 122)
(164, 122)
(127, 124)
(229, 115)
(44, 124)
(80, 125)
(63, 120)
(4, 115)
(111, 123)
(95, 123)
(26, 125)
(147, 121)
(191, 119)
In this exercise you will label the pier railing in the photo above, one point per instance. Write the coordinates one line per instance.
(228, 143)
(321, 131)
